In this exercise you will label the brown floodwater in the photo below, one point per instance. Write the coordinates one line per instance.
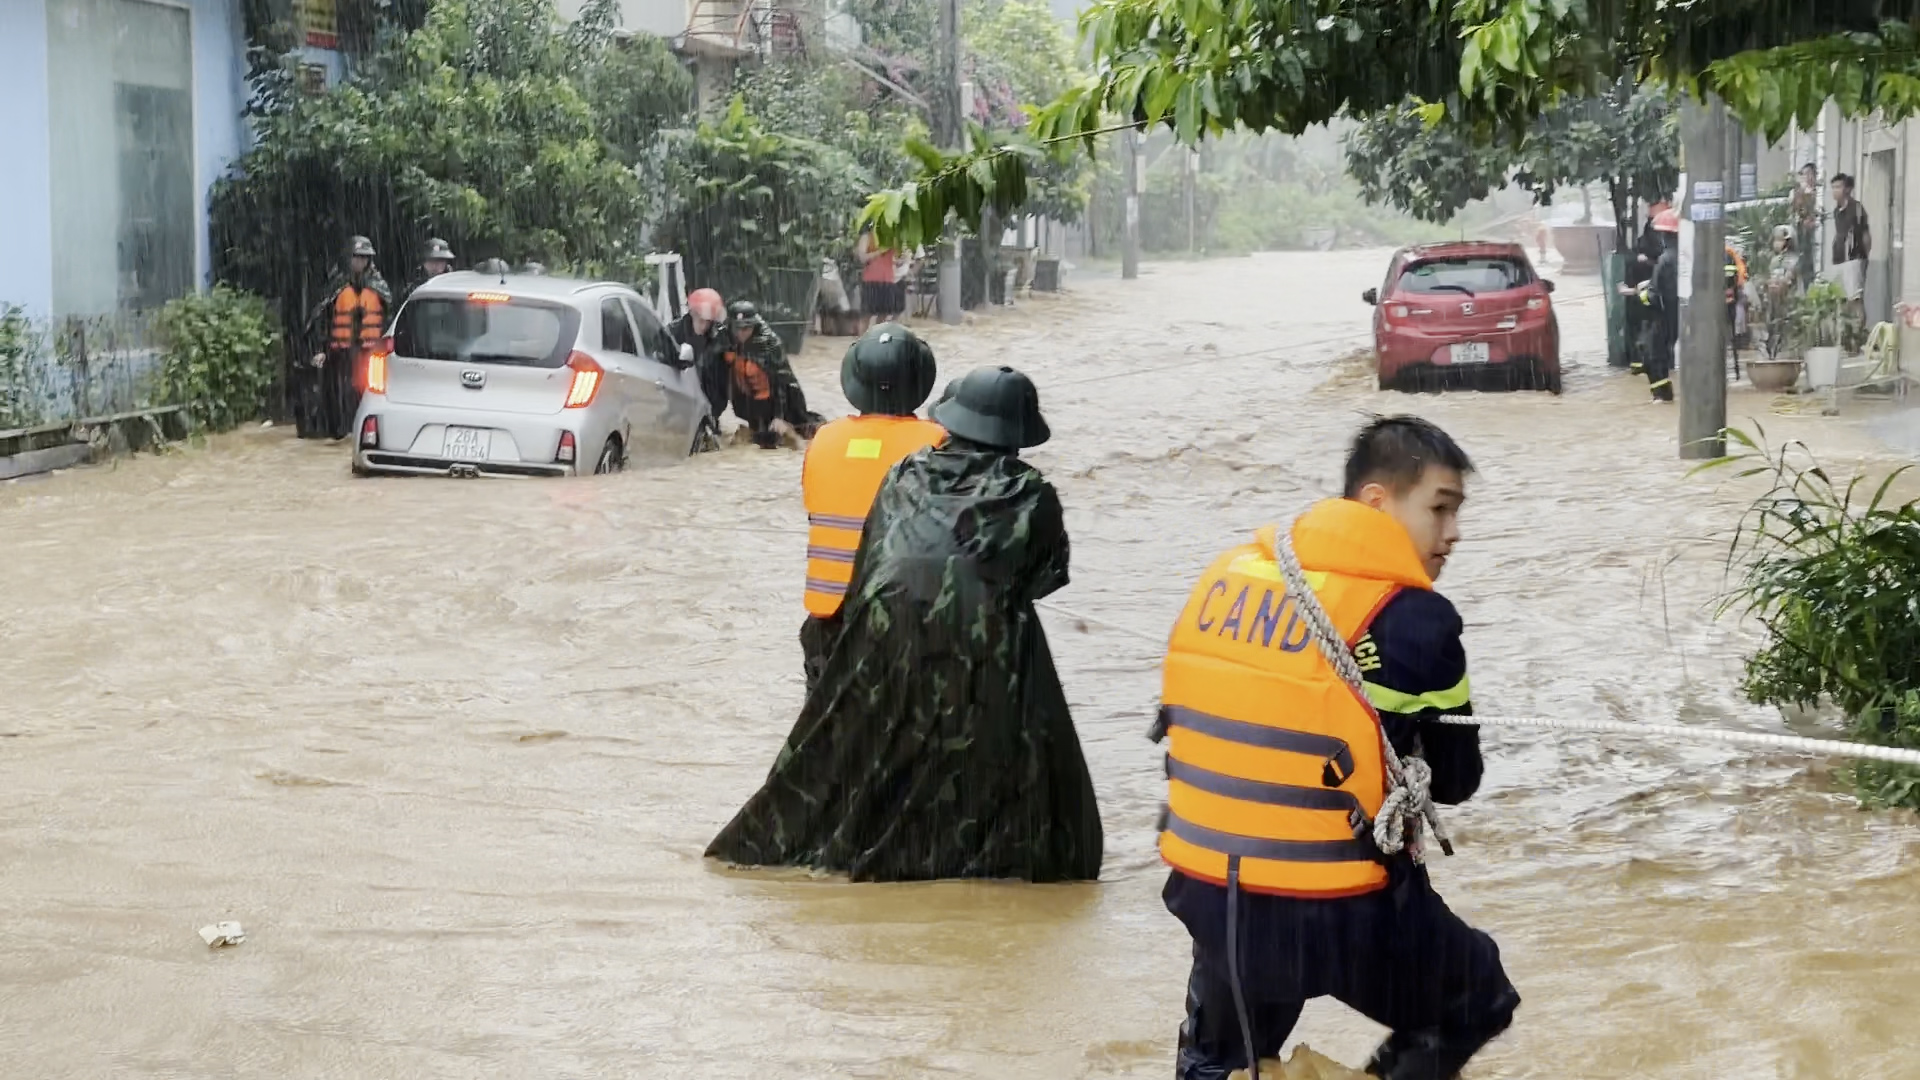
(450, 751)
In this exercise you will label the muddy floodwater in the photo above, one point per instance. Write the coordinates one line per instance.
(450, 750)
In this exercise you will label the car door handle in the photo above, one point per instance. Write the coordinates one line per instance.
(660, 384)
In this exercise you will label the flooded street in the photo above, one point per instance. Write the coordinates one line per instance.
(451, 751)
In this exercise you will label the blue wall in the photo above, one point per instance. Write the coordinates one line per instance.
(219, 94)
(26, 258)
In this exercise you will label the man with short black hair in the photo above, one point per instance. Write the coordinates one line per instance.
(1852, 246)
(1276, 776)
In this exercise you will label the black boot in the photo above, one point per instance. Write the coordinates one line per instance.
(1416, 1056)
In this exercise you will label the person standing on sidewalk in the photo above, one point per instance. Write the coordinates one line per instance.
(1852, 246)
(1276, 775)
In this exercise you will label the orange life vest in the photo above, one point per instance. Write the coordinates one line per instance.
(359, 316)
(1270, 756)
(845, 463)
(749, 376)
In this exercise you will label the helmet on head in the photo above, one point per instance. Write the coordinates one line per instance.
(534, 268)
(889, 371)
(360, 246)
(706, 304)
(437, 249)
(492, 266)
(996, 407)
(742, 313)
(1782, 232)
(1666, 221)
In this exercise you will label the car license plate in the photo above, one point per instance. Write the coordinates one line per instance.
(1470, 352)
(473, 443)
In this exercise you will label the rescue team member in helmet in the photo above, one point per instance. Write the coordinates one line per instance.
(491, 267)
(347, 323)
(765, 394)
(435, 259)
(937, 741)
(1639, 269)
(704, 326)
(886, 374)
(1659, 296)
(1270, 758)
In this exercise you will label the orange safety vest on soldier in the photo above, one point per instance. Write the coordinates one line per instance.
(749, 376)
(359, 317)
(846, 462)
(1271, 758)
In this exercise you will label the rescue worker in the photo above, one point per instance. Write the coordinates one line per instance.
(886, 374)
(1659, 295)
(937, 742)
(763, 390)
(436, 258)
(348, 322)
(1736, 274)
(1781, 289)
(492, 267)
(704, 327)
(1276, 776)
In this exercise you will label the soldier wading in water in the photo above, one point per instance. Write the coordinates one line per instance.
(937, 742)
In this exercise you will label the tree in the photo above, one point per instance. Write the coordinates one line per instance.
(1627, 140)
(480, 127)
(1203, 67)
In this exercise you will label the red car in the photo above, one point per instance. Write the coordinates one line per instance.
(1468, 311)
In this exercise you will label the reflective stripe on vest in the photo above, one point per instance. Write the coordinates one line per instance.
(358, 316)
(846, 462)
(1270, 756)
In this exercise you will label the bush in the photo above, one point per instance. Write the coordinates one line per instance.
(220, 355)
(1836, 584)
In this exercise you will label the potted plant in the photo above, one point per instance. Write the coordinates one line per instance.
(1821, 318)
(1779, 364)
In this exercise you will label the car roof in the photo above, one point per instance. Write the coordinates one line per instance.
(531, 286)
(1457, 248)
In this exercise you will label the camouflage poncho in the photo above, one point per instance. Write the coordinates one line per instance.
(937, 743)
(765, 349)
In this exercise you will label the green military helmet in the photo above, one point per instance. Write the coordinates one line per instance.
(888, 372)
(360, 246)
(437, 249)
(492, 266)
(994, 406)
(742, 313)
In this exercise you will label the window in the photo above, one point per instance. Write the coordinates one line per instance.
(125, 206)
(660, 344)
(616, 333)
(519, 332)
(1468, 275)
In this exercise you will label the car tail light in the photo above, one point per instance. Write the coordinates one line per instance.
(586, 380)
(567, 448)
(1535, 303)
(370, 432)
(1398, 311)
(376, 375)
(488, 297)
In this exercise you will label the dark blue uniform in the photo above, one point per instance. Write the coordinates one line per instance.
(1397, 955)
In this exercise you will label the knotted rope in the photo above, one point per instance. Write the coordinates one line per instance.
(1408, 803)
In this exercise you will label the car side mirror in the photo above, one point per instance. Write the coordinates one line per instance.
(686, 354)
(1547, 285)
(1371, 296)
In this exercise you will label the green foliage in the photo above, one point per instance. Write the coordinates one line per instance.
(23, 349)
(1835, 582)
(755, 210)
(221, 352)
(1822, 317)
(490, 126)
(1627, 139)
(1203, 67)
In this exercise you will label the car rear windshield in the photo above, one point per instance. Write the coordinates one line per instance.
(529, 333)
(1465, 275)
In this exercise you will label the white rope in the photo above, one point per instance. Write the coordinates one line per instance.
(1408, 802)
(1796, 744)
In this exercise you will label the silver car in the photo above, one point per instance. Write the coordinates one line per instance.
(525, 376)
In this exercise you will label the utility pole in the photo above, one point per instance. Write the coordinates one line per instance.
(951, 133)
(1130, 236)
(1702, 377)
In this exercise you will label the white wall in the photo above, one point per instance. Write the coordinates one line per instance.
(25, 130)
(661, 18)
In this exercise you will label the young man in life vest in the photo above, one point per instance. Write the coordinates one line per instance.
(1276, 775)
(347, 323)
(886, 374)
(766, 395)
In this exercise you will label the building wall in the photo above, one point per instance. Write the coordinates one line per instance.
(122, 114)
(25, 129)
(661, 18)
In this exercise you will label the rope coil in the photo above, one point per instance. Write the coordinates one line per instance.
(1409, 803)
